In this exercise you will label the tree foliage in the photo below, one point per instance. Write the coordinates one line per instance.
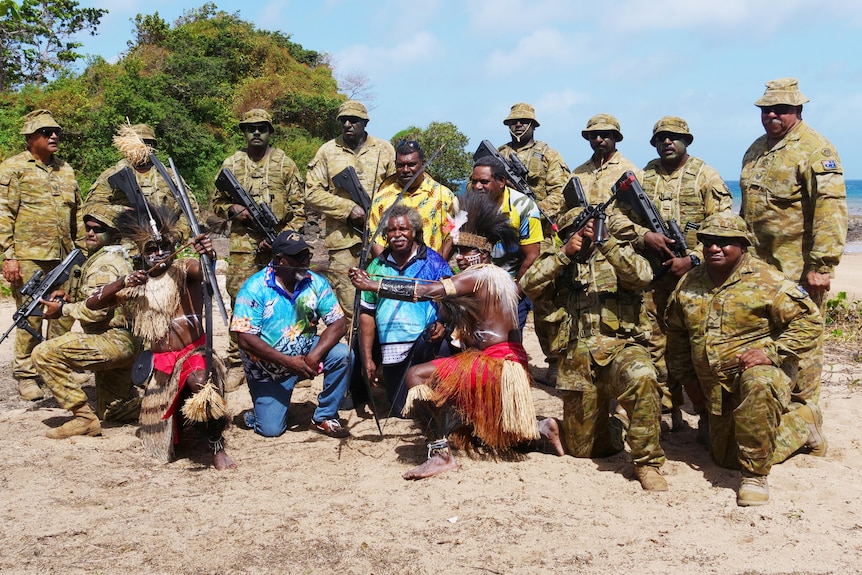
(452, 167)
(191, 81)
(36, 39)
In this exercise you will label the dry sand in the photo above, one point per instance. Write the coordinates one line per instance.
(304, 503)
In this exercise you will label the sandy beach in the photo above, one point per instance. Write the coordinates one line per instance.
(304, 503)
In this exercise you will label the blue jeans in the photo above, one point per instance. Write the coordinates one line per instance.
(272, 399)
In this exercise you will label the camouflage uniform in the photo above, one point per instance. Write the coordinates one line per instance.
(597, 182)
(795, 203)
(155, 190)
(688, 195)
(106, 347)
(273, 181)
(373, 162)
(39, 225)
(750, 425)
(605, 349)
(547, 174)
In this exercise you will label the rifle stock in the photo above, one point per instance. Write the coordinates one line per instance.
(347, 179)
(261, 214)
(574, 194)
(38, 287)
(633, 194)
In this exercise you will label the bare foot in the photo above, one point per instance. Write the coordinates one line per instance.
(436, 464)
(549, 429)
(222, 461)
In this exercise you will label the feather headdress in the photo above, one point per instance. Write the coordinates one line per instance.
(483, 225)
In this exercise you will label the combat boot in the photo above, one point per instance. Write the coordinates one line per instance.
(816, 442)
(235, 379)
(650, 478)
(29, 390)
(85, 422)
(753, 490)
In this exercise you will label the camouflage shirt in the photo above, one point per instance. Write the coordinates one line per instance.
(795, 202)
(547, 174)
(40, 216)
(604, 305)
(273, 181)
(688, 195)
(152, 185)
(374, 161)
(597, 182)
(107, 265)
(756, 308)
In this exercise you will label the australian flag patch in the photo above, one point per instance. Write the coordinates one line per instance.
(829, 165)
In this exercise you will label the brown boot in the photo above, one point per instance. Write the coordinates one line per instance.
(235, 379)
(650, 478)
(85, 422)
(753, 490)
(816, 440)
(29, 389)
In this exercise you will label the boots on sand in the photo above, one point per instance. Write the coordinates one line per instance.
(85, 422)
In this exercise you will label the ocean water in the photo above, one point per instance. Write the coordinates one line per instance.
(854, 195)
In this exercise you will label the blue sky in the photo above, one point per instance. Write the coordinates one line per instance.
(468, 61)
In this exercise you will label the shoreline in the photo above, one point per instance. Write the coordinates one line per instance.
(848, 274)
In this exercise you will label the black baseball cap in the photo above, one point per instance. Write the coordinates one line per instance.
(289, 243)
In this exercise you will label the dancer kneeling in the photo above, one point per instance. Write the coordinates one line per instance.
(484, 391)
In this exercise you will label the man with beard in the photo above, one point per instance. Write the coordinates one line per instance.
(683, 188)
(39, 225)
(270, 178)
(166, 299)
(795, 203)
(408, 332)
(481, 394)
(434, 202)
(599, 173)
(107, 346)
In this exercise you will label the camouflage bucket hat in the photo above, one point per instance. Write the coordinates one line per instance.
(674, 125)
(603, 123)
(725, 225)
(782, 91)
(106, 214)
(353, 108)
(257, 116)
(144, 132)
(566, 220)
(522, 111)
(38, 119)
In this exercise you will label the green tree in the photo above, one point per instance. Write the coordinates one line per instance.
(452, 167)
(36, 39)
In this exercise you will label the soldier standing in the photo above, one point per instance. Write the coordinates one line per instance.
(795, 203)
(607, 164)
(735, 329)
(685, 189)
(270, 177)
(39, 225)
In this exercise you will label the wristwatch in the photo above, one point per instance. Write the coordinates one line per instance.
(695, 261)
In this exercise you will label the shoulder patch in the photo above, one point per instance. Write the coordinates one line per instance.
(826, 152)
(801, 291)
(829, 164)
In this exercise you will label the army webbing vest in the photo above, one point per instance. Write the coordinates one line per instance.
(685, 203)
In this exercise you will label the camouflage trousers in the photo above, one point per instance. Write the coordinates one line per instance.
(809, 381)
(757, 426)
(340, 261)
(242, 266)
(544, 329)
(589, 431)
(655, 304)
(22, 364)
(110, 355)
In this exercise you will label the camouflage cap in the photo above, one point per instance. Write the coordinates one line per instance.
(38, 119)
(522, 111)
(106, 214)
(674, 125)
(257, 116)
(725, 225)
(566, 220)
(782, 91)
(144, 132)
(353, 108)
(603, 123)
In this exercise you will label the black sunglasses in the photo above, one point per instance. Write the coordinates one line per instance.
(778, 109)
(48, 131)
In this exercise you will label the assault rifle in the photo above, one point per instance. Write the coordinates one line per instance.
(574, 194)
(633, 194)
(261, 214)
(516, 172)
(125, 181)
(347, 179)
(38, 288)
(598, 213)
